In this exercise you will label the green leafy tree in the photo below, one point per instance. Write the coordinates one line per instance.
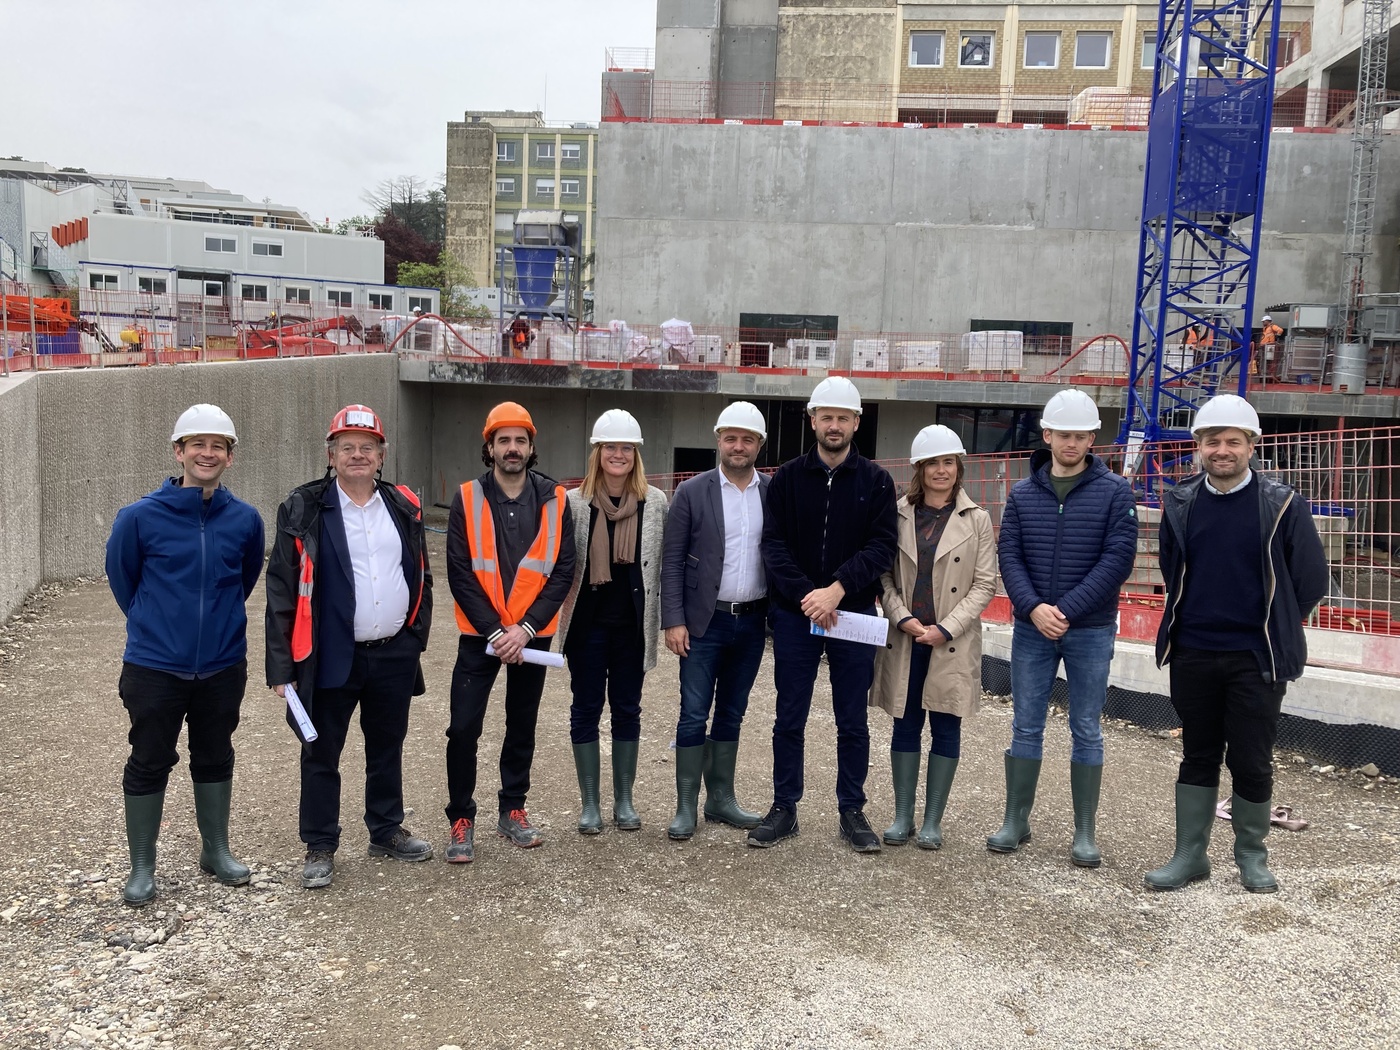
(450, 278)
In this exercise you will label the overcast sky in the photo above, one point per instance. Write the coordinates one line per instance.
(308, 102)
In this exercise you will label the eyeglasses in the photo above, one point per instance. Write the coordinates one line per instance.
(619, 450)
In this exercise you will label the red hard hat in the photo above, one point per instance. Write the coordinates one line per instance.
(507, 414)
(359, 419)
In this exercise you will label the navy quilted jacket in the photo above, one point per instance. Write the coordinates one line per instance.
(1075, 556)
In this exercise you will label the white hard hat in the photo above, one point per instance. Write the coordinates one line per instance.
(1267, 317)
(1070, 410)
(616, 424)
(935, 441)
(204, 419)
(743, 416)
(835, 392)
(1227, 410)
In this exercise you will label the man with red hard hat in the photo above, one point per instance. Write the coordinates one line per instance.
(349, 603)
(510, 565)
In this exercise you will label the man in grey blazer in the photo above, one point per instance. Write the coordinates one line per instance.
(714, 604)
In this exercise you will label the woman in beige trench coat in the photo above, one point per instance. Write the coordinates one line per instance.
(943, 577)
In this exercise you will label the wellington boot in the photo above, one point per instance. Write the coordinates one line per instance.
(936, 786)
(1022, 775)
(1084, 784)
(1195, 814)
(904, 768)
(587, 762)
(624, 766)
(142, 829)
(690, 763)
(212, 803)
(721, 806)
(1251, 820)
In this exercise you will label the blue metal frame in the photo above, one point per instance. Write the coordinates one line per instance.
(1202, 208)
(525, 270)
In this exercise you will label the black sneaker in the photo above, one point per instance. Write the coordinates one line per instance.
(461, 846)
(856, 830)
(320, 866)
(779, 824)
(402, 846)
(516, 827)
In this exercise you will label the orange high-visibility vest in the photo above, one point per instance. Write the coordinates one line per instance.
(534, 569)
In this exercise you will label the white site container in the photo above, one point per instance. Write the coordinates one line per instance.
(810, 353)
(707, 350)
(993, 351)
(870, 355)
(919, 355)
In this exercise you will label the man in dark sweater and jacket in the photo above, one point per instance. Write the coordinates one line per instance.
(1068, 540)
(829, 531)
(1244, 567)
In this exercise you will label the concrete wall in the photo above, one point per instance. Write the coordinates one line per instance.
(851, 40)
(471, 193)
(21, 528)
(921, 231)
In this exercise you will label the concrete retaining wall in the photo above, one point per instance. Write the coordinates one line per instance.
(20, 524)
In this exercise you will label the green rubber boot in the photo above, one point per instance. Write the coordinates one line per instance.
(587, 762)
(1022, 775)
(1195, 814)
(624, 766)
(1084, 784)
(142, 829)
(721, 756)
(1251, 820)
(936, 786)
(904, 768)
(212, 803)
(690, 764)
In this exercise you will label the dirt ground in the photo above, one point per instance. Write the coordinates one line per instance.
(629, 940)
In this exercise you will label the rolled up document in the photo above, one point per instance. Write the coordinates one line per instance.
(299, 715)
(534, 656)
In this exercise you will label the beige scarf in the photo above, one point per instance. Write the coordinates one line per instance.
(624, 546)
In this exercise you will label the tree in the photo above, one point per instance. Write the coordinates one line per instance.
(402, 245)
(411, 201)
(450, 278)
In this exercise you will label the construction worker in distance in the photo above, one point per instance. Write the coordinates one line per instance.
(1267, 363)
(714, 604)
(510, 563)
(1067, 545)
(931, 673)
(520, 335)
(814, 572)
(1244, 568)
(181, 563)
(615, 607)
(349, 606)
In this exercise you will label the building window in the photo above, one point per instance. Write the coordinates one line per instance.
(339, 297)
(1149, 50)
(151, 285)
(505, 187)
(226, 245)
(102, 282)
(214, 289)
(297, 295)
(1092, 50)
(975, 50)
(544, 151)
(505, 152)
(568, 187)
(925, 49)
(381, 300)
(421, 303)
(571, 151)
(1290, 49)
(1042, 51)
(253, 293)
(505, 222)
(544, 188)
(271, 249)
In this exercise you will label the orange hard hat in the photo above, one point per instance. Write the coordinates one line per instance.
(507, 414)
(357, 419)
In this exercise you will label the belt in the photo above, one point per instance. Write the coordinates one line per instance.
(742, 608)
(375, 643)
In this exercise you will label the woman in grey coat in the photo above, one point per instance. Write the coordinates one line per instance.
(615, 610)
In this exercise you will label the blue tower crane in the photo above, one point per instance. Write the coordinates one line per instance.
(1202, 201)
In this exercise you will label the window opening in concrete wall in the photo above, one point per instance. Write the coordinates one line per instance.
(975, 50)
(692, 460)
(272, 249)
(985, 430)
(505, 152)
(926, 49)
(381, 300)
(255, 293)
(790, 432)
(1051, 337)
(1042, 50)
(103, 282)
(226, 245)
(340, 297)
(505, 187)
(152, 285)
(297, 295)
(1092, 50)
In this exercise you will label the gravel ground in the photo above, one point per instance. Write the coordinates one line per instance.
(629, 940)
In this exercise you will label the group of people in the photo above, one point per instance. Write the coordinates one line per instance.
(612, 568)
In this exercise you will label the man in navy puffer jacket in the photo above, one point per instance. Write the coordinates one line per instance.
(1068, 540)
(181, 563)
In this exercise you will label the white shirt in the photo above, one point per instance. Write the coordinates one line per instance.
(1249, 476)
(742, 578)
(376, 558)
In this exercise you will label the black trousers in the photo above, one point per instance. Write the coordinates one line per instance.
(380, 684)
(608, 666)
(472, 679)
(1228, 712)
(158, 703)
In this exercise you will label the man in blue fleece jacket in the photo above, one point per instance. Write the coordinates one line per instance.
(1068, 540)
(181, 562)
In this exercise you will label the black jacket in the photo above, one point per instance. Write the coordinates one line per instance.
(1295, 570)
(820, 528)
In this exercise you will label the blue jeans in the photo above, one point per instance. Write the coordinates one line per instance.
(608, 667)
(1086, 652)
(720, 670)
(945, 730)
(797, 657)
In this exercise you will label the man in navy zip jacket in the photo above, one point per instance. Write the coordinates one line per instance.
(1244, 567)
(181, 563)
(1068, 540)
(829, 531)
